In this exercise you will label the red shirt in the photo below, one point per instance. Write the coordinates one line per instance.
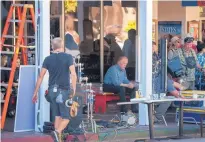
(193, 47)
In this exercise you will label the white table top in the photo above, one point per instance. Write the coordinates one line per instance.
(147, 101)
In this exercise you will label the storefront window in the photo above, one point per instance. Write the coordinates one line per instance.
(118, 20)
(56, 16)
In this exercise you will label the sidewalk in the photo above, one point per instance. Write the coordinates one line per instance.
(120, 135)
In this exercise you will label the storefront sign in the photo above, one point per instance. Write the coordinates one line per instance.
(169, 28)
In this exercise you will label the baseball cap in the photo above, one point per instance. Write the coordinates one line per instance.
(174, 39)
(188, 38)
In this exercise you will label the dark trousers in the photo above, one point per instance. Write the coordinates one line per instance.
(121, 91)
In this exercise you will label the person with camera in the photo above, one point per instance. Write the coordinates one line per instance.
(188, 60)
(60, 67)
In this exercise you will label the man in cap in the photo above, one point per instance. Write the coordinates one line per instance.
(190, 39)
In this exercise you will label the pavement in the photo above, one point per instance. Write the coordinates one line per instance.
(136, 133)
(183, 140)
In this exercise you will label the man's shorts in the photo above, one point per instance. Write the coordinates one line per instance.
(58, 109)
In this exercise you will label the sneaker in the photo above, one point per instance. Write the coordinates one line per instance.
(55, 136)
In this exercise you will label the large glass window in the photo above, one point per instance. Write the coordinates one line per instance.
(82, 33)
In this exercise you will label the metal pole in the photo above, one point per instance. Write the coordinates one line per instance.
(166, 66)
(101, 40)
(138, 51)
(137, 17)
(63, 23)
(151, 127)
(181, 122)
(163, 55)
(138, 61)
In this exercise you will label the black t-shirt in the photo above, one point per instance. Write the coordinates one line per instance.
(58, 65)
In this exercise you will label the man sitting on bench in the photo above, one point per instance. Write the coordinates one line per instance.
(116, 81)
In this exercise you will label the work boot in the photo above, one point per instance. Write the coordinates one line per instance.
(54, 135)
(57, 137)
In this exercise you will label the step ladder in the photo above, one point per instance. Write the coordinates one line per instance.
(22, 14)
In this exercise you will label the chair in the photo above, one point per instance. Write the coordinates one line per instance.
(163, 117)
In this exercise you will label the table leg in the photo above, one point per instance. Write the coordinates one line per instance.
(181, 120)
(201, 124)
(150, 115)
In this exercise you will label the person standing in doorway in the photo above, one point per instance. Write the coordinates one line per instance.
(60, 67)
(129, 48)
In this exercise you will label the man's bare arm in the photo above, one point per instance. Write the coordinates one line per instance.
(73, 78)
(40, 78)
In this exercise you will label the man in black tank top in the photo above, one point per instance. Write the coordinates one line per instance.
(60, 66)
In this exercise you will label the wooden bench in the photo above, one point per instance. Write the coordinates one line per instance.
(101, 100)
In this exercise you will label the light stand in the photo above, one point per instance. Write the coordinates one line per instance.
(89, 101)
(80, 68)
